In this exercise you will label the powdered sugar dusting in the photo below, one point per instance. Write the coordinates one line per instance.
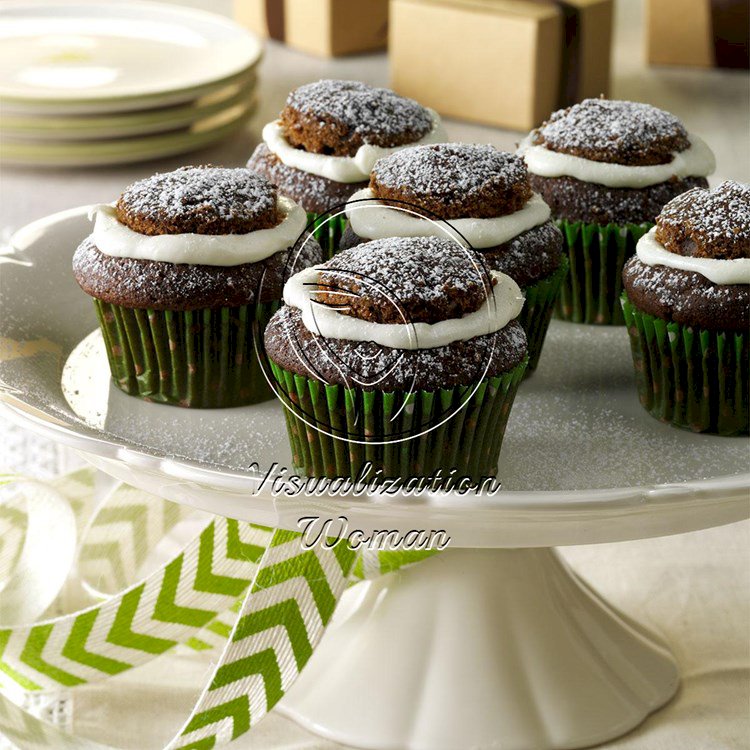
(442, 170)
(363, 109)
(712, 218)
(414, 268)
(614, 131)
(215, 193)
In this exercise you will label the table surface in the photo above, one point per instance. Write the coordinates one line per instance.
(694, 588)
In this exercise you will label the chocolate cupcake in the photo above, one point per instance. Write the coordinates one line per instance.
(185, 269)
(687, 307)
(487, 203)
(606, 168)
(326, 140)
(398, 358)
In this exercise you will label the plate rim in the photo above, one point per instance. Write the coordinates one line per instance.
(154, 91)
(174, 143)
(83, 108)
(51, 123)
(731, 487)
(245, 100)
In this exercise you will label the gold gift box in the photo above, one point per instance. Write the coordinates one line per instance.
(500, 62)
(327, 28)
(700, 33)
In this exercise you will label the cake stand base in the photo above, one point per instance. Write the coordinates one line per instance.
(481, 649)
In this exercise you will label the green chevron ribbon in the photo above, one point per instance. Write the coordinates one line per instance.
(254, 592)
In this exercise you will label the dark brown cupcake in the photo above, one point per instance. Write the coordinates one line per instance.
(336, 118)
(457, 180)
(411, 407)
(614, 132)
(183, 333)
(602, 222)
(700, 224)
(689, 334)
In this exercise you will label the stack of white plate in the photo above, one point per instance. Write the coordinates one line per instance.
(90, 83)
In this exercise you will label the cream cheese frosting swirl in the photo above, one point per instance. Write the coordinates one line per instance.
(502, 305)
(696, 161)
(114, 238)
(372, 219)
(717, 270)
(340, 168)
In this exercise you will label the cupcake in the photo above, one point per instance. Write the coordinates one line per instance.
(606, 168)
(398, 358)
(326, 140)
(687, 308)
(485, 197)
(185, 269)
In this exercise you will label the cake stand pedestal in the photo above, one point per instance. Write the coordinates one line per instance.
(478, 649)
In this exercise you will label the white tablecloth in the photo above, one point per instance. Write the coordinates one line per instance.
(694, 588)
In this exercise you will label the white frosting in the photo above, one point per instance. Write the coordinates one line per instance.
(501, 306)
(718, 270)
(374, 220)
(114, 238)
(696, 161)
(340, 168)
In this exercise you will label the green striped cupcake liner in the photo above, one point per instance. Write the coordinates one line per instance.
(327, 232)
(591, 291)
(446, 434)
(537, 311)
(690, 377)
(196, 358)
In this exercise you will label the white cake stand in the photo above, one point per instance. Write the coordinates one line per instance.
(492, 644)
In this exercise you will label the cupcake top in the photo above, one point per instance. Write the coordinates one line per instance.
(198, 237)
(482, 192)
(475, 194)
(403, 280)
(613, 131)
(453, 180)
(199, 200)
(399, 313)
(693, 267)
(338, 117)
(199, 215)
(708, 223)
(337, 130)
(618, 144)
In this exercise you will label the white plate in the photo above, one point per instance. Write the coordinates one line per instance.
(51, 128)
(198, 134)
(581, 462)
(84, 51)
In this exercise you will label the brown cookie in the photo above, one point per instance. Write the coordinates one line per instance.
(369, 366)
(453, 180)
(158, 285)
(199, 200)
(405, 280)
(615, 132)
(686, 297)
(708, 223)
(575, 200)
(314, 193)
(337, 117)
